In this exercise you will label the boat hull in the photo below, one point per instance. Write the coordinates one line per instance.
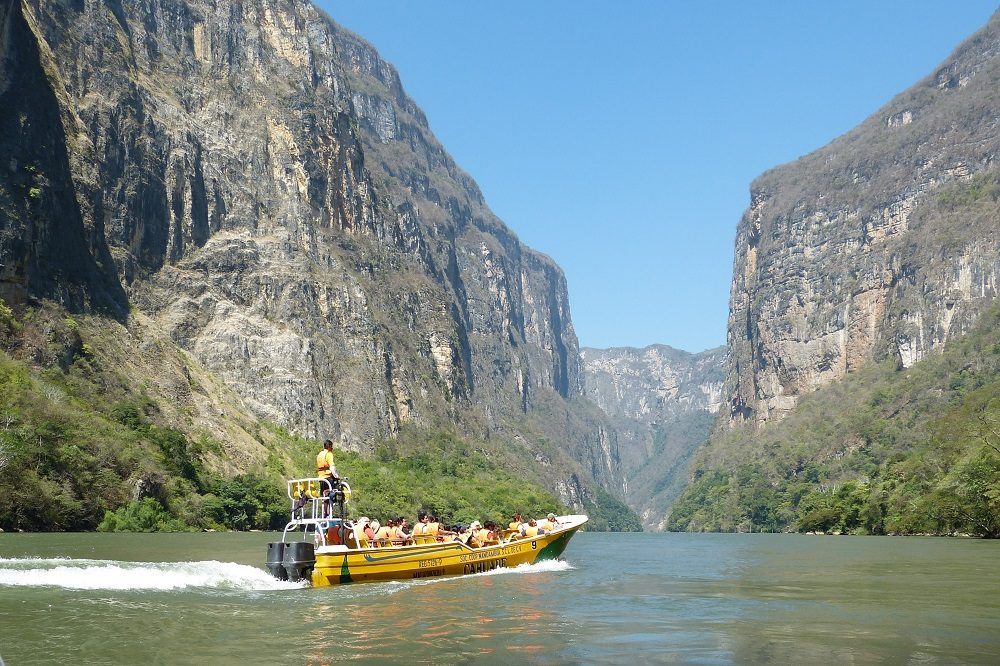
(339, 565)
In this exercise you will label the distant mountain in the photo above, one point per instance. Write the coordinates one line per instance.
(251, 181)
(662, 402)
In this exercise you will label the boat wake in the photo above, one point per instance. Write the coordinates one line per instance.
(537, 567)
(115, 575)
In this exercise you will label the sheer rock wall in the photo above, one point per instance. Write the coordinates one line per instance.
(254, 179)
(884, 243)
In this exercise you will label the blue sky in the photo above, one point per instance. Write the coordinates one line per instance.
(621, 138)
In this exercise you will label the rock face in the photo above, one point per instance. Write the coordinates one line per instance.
(884, 243)
(254, 179)
(662, 402)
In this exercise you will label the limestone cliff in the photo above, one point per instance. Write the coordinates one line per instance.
(886, 242)
(254, 180)
(662, 402)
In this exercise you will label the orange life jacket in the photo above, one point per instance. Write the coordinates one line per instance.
(333, 536)
(324, 461)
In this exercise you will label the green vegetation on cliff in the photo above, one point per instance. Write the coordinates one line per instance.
(885, 451)
(84, 447)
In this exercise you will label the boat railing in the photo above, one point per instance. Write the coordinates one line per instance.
(314, 500)
(310, 497)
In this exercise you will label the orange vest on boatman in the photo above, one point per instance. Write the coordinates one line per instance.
(324, 461)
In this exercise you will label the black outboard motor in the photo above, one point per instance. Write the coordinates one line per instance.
(299, 559)
(275, 557)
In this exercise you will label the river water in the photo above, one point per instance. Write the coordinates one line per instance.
(613, 599)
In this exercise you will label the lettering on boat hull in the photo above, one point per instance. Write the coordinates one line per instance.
(484, 565)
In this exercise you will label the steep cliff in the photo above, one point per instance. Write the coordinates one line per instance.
(254, 180)
(662, 402)
(885, 243)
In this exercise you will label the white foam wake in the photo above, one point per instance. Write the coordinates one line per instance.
(537, 567)
(114, 575)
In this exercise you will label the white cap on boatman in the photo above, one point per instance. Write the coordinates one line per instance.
(551, 516)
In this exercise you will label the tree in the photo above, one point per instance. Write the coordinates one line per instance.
(979, 494)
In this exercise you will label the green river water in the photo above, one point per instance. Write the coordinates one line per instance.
(614, 599)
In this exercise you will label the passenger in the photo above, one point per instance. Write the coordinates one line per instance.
(466, 536)
(432, 529)
(362, 528)
(334, 533)
(369, 530)
(419, 527)
(383, 536)
(477, 535)
(393, 532)
(493, 534)
(550, 523)
(474, 527)
(514, 527)
(530, 530)
(402, 535)
(445, 534)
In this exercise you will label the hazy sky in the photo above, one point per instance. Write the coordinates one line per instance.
(621, 138)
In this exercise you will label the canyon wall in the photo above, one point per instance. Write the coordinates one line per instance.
(254, 180)
(883, 244)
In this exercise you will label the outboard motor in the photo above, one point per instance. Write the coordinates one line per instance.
(299, 559)
(275, 557)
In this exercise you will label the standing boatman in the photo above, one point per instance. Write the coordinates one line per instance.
(326, 470)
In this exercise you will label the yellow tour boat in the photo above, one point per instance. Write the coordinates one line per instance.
(325, 549)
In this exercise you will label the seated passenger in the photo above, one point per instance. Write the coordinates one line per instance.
(461, 533)
(335, 533)
(418, 528)
(382, 534)
(401, 537)
(479, 533)
(362, 528)
(550, 523)
(471, 535)
(432, 529)
(493, 534)
(514, 527)
(393, 535)
(444, 534)
(530, 530)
